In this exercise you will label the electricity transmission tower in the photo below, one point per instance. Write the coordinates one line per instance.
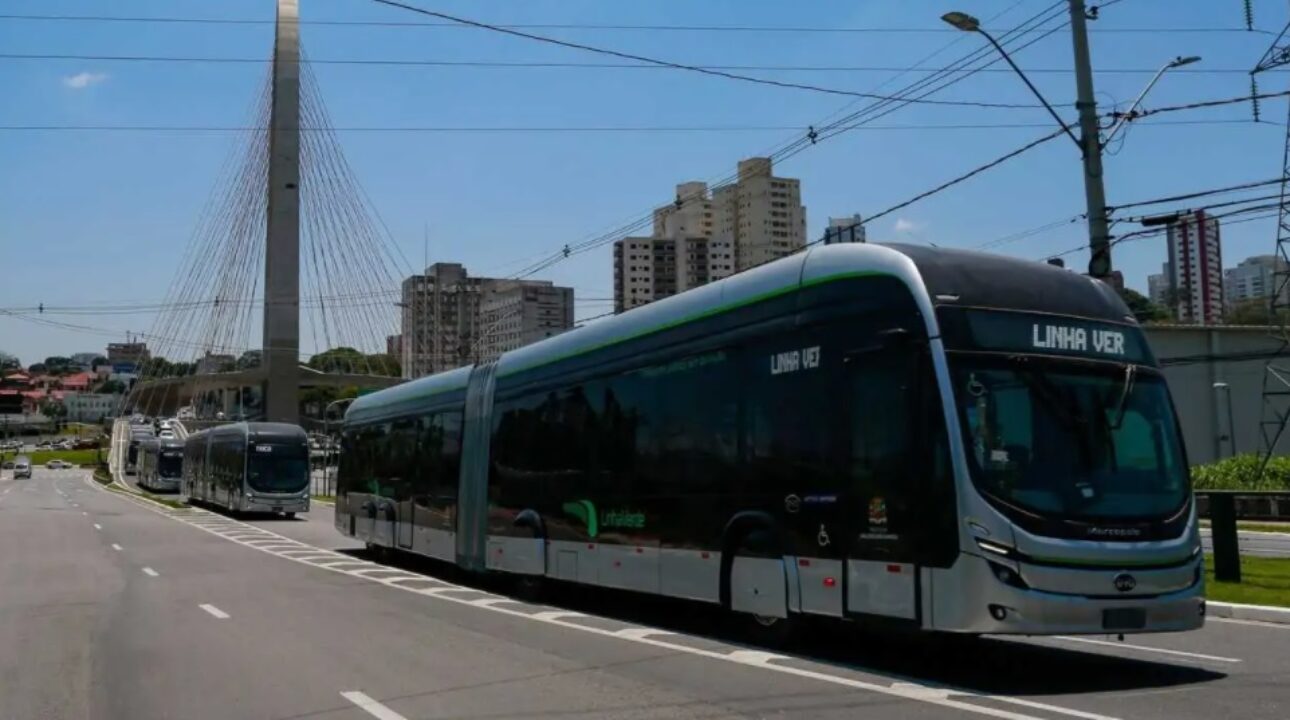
(1276, 378)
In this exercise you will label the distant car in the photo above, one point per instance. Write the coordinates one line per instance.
(6, 465)
(57, 464)
(21, 468)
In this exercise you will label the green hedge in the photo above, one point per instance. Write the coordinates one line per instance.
(1242, 473)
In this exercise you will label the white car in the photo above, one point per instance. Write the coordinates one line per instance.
(165, 424)
(166, 435)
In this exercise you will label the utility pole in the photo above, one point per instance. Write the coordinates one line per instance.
(1099, 231)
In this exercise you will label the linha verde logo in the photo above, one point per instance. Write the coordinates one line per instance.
(585, 511)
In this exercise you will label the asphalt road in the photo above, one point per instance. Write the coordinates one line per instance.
(114, 609)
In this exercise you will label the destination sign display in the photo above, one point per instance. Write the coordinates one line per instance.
(1043, 334)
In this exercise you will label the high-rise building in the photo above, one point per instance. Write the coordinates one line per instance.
(1254, 278)
(444, 317)
(1196, 269)
(1158, 287)
(700, 238)
(128, 353)
(844, 230)
(515, 314)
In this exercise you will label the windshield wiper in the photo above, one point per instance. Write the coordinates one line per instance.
(1130, 374)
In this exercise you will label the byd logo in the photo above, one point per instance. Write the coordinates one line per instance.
(1125, 582)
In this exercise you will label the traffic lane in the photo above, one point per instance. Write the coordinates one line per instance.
(315, 527)
(164, 655)
(1225, 660)
(427, 658)
(1262, 544)
(59, 587)
(1047, 675)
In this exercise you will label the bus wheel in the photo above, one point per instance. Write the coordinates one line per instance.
(763, 629)
(530, 587)
(289, 515)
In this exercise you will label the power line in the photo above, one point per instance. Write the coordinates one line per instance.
(1201, 193)
(787, 29)
(1197, 105)
(680, 66)
(546, 65)
(574, 128)
(967, 175)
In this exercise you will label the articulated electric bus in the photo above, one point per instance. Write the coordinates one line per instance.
(249, 467)
(160, 464)
(934, 439)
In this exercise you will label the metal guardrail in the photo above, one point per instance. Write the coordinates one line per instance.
(1250, 504)
(1223, 508)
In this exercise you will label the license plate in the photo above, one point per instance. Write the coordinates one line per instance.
(1124, 619)
(277, 508)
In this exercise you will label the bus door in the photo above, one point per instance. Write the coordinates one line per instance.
(881, 572)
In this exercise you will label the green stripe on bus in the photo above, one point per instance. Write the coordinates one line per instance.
(703, 315)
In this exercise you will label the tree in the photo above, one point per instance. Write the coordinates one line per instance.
(1142, 308)
(58, 365)
(36, 368)
(338, 360)
(1257, 311)
(112, 387)
(250, 359)
(384, 364)
(97, 361)
(9, 362)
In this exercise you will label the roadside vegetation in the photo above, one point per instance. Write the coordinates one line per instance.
(1264, 581)
(325, 498)
(1242, 473)
(75, 457)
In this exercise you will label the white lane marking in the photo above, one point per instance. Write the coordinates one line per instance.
(85, 513)
(116, 547)
(150, 572)
(214, 611)
(370, 706)
(636, 633)
(929, 692)
(1145, 648)
(555, 614)
(1241, 621)
(98, 526)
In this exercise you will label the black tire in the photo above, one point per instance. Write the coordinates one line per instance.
(771, 631)
(289, 515)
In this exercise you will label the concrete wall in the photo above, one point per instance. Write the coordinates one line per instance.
(1194, 358)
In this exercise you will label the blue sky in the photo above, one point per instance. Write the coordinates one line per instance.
(103, 217)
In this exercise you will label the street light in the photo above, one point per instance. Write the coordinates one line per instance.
(1129, 114)
(1224, 388)
(967, 23)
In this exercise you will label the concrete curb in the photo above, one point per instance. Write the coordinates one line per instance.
(1259, 613)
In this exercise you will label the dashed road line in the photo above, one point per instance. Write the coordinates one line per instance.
(903, 688)
(370, 706)
(116, 547)
(150, 572)
(216, 612)
(98, 526)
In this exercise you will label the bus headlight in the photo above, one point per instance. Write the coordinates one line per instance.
(1008, 576)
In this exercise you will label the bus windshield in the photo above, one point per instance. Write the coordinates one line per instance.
(170, 464)
(1071, 440)
(277, 468)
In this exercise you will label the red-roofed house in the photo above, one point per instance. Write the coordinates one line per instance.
(79, 382)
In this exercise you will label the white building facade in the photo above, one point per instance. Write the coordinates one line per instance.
(90, 407)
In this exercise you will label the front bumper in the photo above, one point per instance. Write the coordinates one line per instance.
(271, 504)
(986, 605)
